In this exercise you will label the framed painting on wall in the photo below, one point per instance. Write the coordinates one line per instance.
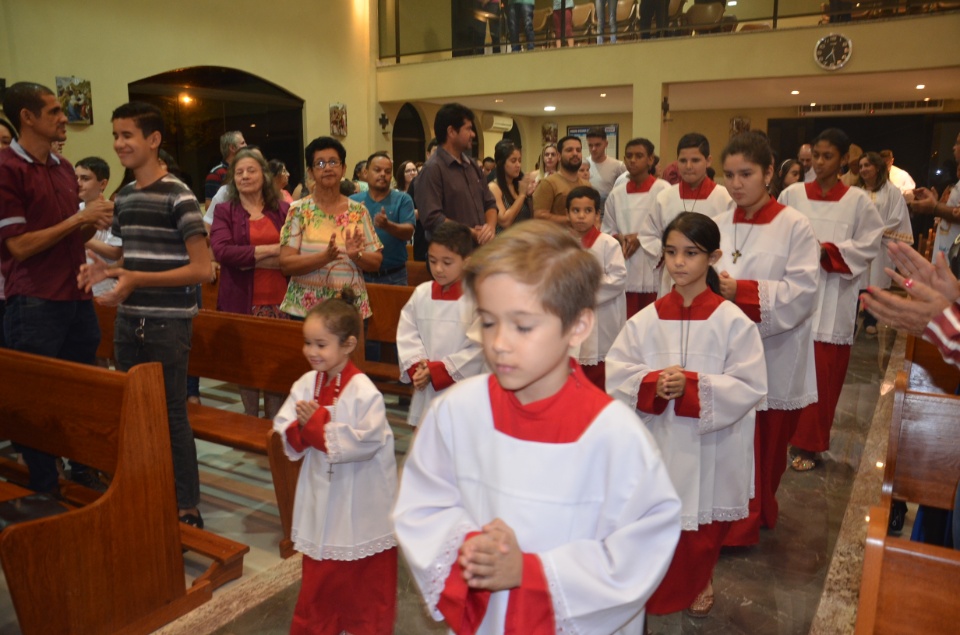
(76, 99)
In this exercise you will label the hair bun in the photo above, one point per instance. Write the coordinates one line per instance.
(348, 295)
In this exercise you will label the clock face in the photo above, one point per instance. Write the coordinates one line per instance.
(833, 51)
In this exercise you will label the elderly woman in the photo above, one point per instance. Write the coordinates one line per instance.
(328, 241)
(245, 238)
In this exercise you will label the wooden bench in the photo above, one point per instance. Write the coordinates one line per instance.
(386, 301)
(115, 565)
(910, 587)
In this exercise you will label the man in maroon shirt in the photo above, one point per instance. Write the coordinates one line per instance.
(41, 249)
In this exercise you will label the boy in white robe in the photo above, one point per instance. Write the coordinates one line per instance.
(849, 229)
(625, 211)
(436, 346)
(611, 312)
(531, 502)
(696, 192)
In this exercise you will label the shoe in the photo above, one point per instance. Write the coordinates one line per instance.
(898, 516)
(193, 399)
(802, 463)
(194, 520)
(702, 604)
(871, 331)
(88, 478)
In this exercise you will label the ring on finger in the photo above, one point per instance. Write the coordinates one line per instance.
(908, 283)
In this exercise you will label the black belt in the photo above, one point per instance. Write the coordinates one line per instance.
(388, 272)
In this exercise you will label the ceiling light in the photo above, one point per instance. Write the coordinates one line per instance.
(732, 3)
(498, 101)
(187, 99)
(794, 92)
(813, 104)
(549, 108)
(603, 94)
(921, 86)
(253, 125)
(926, 99)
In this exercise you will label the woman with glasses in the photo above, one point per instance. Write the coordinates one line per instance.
(245, 239)
(280, 179)
(328, 240)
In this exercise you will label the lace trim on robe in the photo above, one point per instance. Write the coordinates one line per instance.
(453, 372)
(830, 338)
(765, 308)
(560, 611)
(334, 450)
(440, 568)
(716, 515)
(355, 552)
(706, 403)
(791, 404)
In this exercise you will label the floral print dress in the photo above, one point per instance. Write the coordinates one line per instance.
(308, 229)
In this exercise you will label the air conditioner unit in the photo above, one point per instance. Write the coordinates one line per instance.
(496, 123)
(871, 108)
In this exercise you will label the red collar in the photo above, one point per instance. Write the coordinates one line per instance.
(764, 215)
(814, 193)
(670, 306)
(330, 392)
(700, 193)
(560, 418)
(590, 238)
(643, 188)
(453, 293)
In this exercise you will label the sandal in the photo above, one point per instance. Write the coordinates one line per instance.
(803, 463)
(194, 520)
(702, 604)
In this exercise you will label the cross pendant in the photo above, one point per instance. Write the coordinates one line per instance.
(736, 255)
(329, 471)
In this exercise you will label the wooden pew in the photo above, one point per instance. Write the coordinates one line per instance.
(910, 587)
(115, 565)
(386, 301)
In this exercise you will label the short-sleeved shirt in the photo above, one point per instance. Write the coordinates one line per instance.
(398, 207)
(33, 197)
(551, 193)
(154, 223)
(308, 229)
(604, 175)
(452, 189)
(214, 180)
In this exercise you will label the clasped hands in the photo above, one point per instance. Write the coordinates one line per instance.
(492, 560)
(671, 383)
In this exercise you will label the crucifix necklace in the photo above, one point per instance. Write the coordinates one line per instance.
(336, 397)
(736, 250)
(696, 197)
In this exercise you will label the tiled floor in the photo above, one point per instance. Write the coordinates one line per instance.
(771, 588)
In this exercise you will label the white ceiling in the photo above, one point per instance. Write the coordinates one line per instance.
(753, 93)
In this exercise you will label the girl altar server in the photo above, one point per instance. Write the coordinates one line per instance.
(436, 343)
(849, 229)
(334, 419)
(693, 348)
(770, 269)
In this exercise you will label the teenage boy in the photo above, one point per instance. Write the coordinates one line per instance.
(604, 170)
(848, 228)
(93, 175)
(583, 205)
(500, 514)
(627, 207)
(436, 345)
(165, 257)
(41, 251)
(696, 192)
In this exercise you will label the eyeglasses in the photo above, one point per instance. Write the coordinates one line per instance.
(331, 163)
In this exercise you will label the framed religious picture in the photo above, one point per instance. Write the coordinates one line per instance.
(76, 100)
(548, 133)
(338, 120)
(612, 131)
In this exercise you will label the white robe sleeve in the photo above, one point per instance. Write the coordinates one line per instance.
(786, 303)
(863, 245)
(625, 363)
(651, 231)
(609, 223)
(410, 348)
(468, 360)
(362, 404)
(302, 390)
(726, 398)
(614, 279)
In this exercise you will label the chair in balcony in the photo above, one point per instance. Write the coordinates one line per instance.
(584, 22)
(543, 26)
(702, 18)
(628, 12)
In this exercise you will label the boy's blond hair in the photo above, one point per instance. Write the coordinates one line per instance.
(547, 257)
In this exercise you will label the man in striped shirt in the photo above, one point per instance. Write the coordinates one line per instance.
(165, 256)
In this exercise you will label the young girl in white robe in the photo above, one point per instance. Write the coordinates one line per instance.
(770, 268)
(334, 419)
(700, 352)
(437, 345)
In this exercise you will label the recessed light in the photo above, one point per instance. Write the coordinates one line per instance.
(253, 125)
(794, 92)
(921, 86)
(186, 98)
(926, 99)
(498, 101)
(603, 94)
(812, 104)
(732, 3)
(549, 108)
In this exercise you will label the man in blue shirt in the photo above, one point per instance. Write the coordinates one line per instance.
(393, 218)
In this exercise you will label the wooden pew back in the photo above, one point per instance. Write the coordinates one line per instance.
(926, 370)
(116, 564)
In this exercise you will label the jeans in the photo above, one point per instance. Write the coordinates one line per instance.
(66, 330)
(165, 340)
(651, 10)
(517, 14)
(606, 19)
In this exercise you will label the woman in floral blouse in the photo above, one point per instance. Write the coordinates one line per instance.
(327, 241)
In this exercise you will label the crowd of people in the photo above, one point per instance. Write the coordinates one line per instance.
(612, 370)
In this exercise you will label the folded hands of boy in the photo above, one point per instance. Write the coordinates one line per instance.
(492, 560)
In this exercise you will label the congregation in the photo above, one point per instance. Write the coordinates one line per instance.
(568, 308)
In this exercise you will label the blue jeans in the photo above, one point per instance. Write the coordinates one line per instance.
(165, 340)
(516, 14)
(66, 330)
(606, 20)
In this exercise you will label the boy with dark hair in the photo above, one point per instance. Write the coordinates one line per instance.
(436, 345)
(500, 513)
(583, 208)
(93, 175)
(627, 208)
(166, 256)
(696, 192)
